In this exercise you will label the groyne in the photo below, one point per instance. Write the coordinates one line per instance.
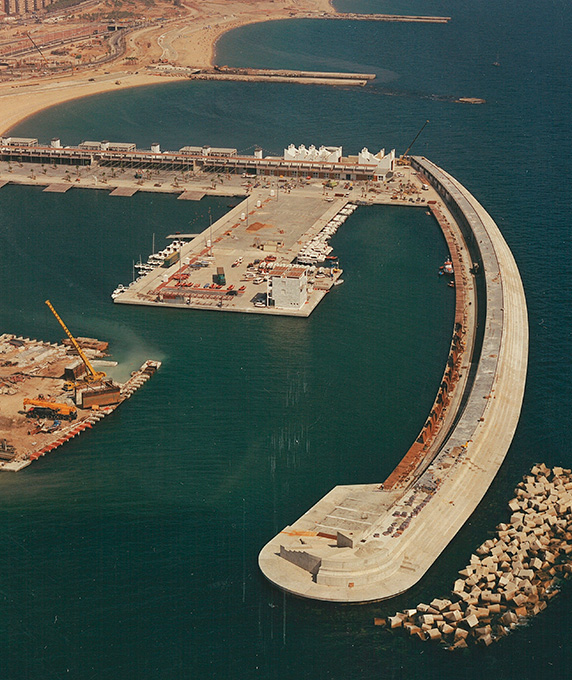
(270, 75)
(372, 542)
(399, 18)
(511, 577)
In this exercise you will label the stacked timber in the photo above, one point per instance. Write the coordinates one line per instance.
(512, 576)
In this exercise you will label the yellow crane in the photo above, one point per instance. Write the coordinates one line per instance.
(41, 407)
(92, 375)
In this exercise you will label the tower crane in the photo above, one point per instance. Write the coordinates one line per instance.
(92, 375)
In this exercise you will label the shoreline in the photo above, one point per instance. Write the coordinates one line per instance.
(190, 41)
(38, 94)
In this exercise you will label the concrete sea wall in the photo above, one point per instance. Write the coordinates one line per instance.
(403, 529)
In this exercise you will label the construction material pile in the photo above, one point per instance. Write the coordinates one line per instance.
(512, 576)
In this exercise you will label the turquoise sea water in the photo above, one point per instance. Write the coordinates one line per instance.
(131, 553)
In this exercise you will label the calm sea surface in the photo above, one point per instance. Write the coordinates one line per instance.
(132, 552)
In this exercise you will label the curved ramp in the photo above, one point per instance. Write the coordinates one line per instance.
(366, 542)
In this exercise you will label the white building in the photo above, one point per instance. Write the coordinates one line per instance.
(384, 162)
(287, 287)
(325, 154)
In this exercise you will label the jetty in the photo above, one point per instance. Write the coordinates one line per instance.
(265, 75)
(372, 542)
(395, 18)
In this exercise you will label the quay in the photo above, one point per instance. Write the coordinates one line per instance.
(269, 254)
(372, 542)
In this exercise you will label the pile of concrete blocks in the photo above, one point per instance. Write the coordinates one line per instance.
(512, 576)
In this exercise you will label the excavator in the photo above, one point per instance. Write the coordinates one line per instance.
(41, 408)
(92, 376)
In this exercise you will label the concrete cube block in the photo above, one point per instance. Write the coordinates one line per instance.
(395, 621)
(453, 616)
(471, 621)
(508, 618)
(433, 634)
(460, 644)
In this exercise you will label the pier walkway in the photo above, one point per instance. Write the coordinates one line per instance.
(372, 542)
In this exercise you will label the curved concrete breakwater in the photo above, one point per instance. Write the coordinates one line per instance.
(371, 542)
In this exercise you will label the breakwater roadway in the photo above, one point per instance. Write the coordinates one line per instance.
(368, 542)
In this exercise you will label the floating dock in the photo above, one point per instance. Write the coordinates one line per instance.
(372, 542)
(34, 370)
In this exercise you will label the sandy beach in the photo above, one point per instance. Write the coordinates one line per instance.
(184, 41)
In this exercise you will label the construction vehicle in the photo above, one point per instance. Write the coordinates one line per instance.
(49, 409)
(92, 376)
(403, 159)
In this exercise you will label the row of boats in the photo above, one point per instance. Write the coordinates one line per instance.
(154, 261)
(317, 250)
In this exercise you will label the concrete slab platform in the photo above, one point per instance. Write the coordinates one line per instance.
(266, 224)
(57, 188)
(191, 196)
(124, 191)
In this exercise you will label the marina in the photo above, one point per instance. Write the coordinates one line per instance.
(292, 205)
(232, 264)
(270, 254)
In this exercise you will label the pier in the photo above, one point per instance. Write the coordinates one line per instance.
(372, 542)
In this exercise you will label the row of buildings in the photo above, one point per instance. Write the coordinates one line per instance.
(21, 7)
(327, 163)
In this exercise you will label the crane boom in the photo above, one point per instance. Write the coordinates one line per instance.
(404, 155)
(92, 374)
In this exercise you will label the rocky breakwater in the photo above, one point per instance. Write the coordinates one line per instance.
(512, 576)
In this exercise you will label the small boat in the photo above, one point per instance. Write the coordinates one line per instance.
(446, 268)
(120, 289)
(338, 282)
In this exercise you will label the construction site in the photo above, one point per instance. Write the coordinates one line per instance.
(51, 393)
